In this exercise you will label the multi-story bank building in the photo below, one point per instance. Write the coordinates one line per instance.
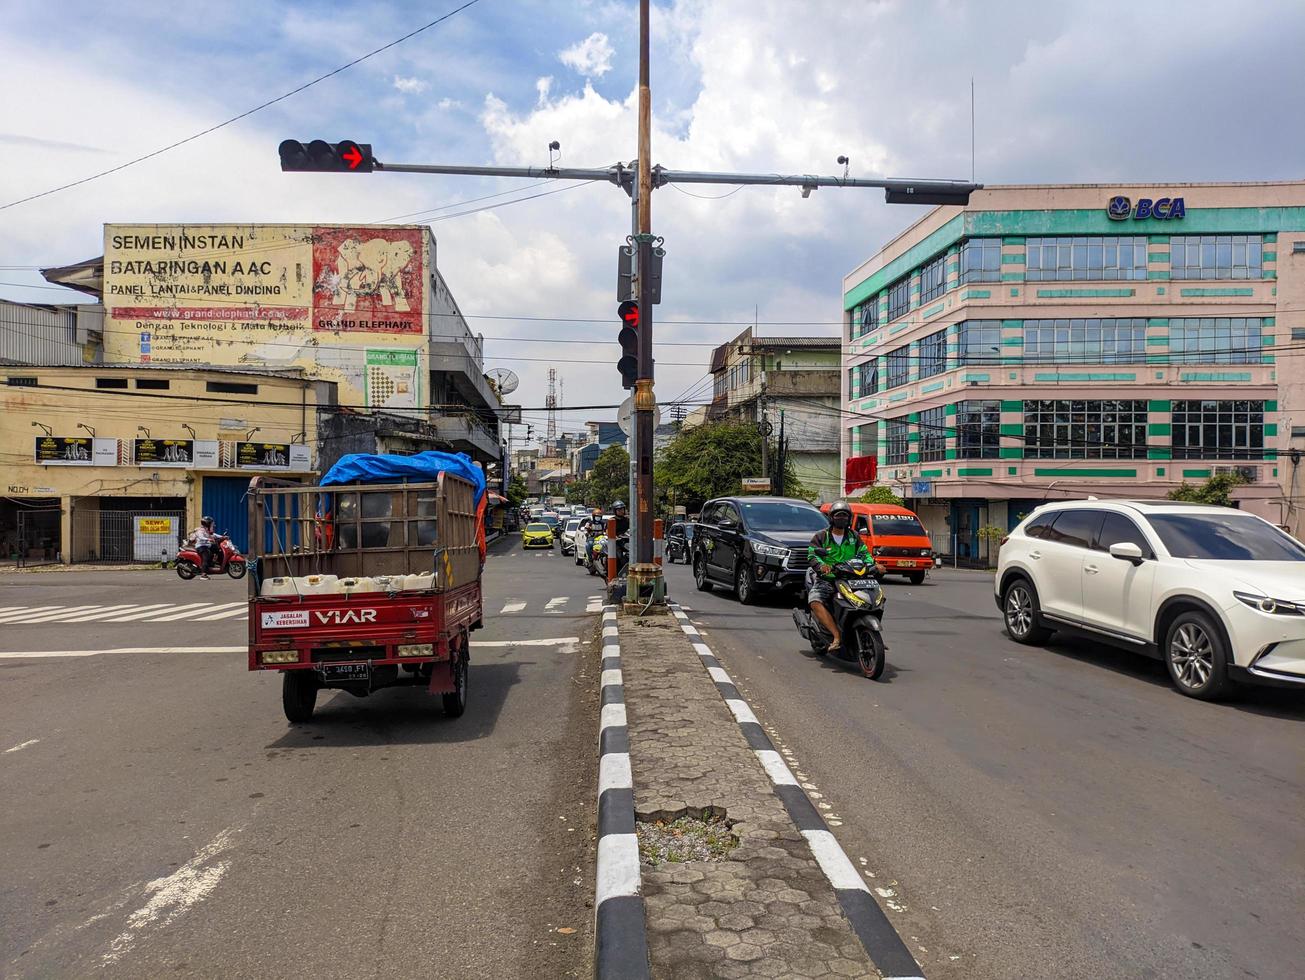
(1054, 342)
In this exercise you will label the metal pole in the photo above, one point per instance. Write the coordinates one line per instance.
(632, 442)
(645, 402)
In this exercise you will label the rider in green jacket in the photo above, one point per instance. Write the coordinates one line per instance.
(838, 543)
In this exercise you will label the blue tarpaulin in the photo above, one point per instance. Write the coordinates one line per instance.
(386, 468)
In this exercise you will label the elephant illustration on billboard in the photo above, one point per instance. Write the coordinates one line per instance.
(372, 268)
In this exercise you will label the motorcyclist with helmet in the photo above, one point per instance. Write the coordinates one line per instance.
(622, 520)
(837, 543)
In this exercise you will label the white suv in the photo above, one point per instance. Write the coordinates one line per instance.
(1217, 594)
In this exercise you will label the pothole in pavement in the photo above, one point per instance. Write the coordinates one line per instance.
(688, 834)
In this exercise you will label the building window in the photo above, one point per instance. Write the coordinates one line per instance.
(899, 298)
(1064, 259)
(1216, 256)
(862, 380)
(20, 382)
(933, 434)
(933, 354)
(865, 317)
(897, 432)
(1063, 429)
(979, 342)
(981, 260)
(933, 279)
(153, 384)
(978, 429)
(111, 382)
(1218, 430)
(231, 388)
(897, 366)
(1215, 340)
(863, 440)
(1088, 341)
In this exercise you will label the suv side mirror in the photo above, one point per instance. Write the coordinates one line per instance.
(1126, 551)
(727, 525)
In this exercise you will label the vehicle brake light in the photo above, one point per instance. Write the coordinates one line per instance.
(1003, 540)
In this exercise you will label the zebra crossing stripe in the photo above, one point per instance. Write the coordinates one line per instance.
(11, 609)
(556, 603)
(203, 607)
(48, 616)
(228, 614)
(15, 616)
(142, 612)
(106, 611)
(512, 606)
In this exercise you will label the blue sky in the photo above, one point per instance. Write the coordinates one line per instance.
(1084, 91)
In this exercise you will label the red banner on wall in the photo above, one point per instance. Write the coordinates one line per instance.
(860, 472)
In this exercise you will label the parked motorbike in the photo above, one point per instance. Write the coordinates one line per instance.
(858, 609)
(226, 557)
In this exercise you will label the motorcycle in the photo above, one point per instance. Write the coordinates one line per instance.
(858, 609)
(598, 555)
(226, 557)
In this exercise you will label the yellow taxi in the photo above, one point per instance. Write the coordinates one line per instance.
(537, 535)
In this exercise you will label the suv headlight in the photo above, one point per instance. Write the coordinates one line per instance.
(1265, 604)
(769, 550)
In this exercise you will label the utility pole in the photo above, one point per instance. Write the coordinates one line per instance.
(645, 403)
(781, 464)
(761, 427)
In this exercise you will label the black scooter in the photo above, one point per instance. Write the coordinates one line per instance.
(858, 609)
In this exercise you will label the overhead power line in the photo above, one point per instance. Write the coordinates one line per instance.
(243, 115)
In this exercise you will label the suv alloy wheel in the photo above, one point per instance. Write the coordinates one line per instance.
(1020, 611)
(1195, 656)
(700, 574)
(745, 583)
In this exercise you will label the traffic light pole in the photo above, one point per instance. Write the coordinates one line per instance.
(645, 402)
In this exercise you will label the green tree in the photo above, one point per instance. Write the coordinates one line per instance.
(711, 460)
(610, 478)
(879, 495)
(990, 533)
(516, 491)
(1216, 490)
(577, 491)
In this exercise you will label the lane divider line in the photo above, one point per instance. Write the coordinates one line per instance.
(882, 943)
(620, 936)
(554, 641)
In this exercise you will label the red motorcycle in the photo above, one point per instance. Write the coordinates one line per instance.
(225, 557)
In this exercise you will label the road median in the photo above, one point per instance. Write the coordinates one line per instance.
(739, 875)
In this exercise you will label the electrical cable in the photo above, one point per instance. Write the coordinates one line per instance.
(243, 115)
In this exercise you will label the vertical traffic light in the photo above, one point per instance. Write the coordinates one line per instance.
(628, 365)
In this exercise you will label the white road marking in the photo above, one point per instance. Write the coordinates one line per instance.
(14, 616)
(556, 641)
(778, 772)
(512, 606)
(10, 609)
(46, 617)
(595, 605)
(85, 617)
(141, 612)
(240, 610)
(555, 604)
(552, 641)
(22, 745)
(833, 861)
(173, 896)
(204, 607)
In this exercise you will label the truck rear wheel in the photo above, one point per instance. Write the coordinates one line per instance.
(298, 695)
(455, 702)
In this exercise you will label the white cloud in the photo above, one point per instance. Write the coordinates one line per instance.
(542, 88)
(410, 86)
(591, 57)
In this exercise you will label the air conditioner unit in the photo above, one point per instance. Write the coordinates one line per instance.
(1251, 474)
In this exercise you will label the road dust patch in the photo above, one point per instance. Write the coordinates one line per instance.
(174, 896)
(701, 836)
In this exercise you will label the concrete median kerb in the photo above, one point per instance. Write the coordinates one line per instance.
(769, 908)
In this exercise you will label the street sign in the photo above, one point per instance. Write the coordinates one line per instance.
(756, 484)
(921, 488)
(625, 274)
(625, 416)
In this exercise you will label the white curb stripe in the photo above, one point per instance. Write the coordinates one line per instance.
(609, 631)
(776, 768)
(719, 676)
(833, 861)
(618, 867)
(741, 711)
(612, 716)
(610, 677)
(614, 772)
(703, 650)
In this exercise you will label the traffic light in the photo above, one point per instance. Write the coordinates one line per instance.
(904, 192)
(628, 365)
(320, 156)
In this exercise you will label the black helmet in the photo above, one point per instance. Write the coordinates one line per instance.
(840, 507)
(618, 505)
(206, 520)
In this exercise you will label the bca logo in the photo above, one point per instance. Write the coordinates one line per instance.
(1162, 209)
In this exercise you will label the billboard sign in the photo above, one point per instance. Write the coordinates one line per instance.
(164, 452)
(263, 455)
(75, 451)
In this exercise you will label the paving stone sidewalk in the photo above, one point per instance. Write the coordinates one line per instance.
(765, 911)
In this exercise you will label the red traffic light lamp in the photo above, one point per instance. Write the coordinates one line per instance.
(320, 156)
(628, 365)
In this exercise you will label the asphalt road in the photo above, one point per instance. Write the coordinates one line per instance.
(160, 816)
(1026, 812)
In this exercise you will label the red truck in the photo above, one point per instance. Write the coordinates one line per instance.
(362, 586)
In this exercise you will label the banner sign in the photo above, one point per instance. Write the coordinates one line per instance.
(263, 455)
(154, 525)
(301, 460)
(206, 454)
(164, 452)
(75, 451)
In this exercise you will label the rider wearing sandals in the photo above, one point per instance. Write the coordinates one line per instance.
(837, 543)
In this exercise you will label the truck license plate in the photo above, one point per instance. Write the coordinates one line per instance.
(907, 564)
(346, 672)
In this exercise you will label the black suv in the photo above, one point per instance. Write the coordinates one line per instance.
(754, 544)
(679, 541)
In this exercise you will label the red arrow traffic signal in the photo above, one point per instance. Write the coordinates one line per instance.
(320, 156)
(351, 155)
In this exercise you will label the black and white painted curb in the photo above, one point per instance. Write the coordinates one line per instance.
(620, 942)
(881, 941)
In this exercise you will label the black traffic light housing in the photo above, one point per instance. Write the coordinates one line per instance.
(907, 193)
(628, 365)
(320, 156)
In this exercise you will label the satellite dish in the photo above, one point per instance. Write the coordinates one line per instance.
(505, 380)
